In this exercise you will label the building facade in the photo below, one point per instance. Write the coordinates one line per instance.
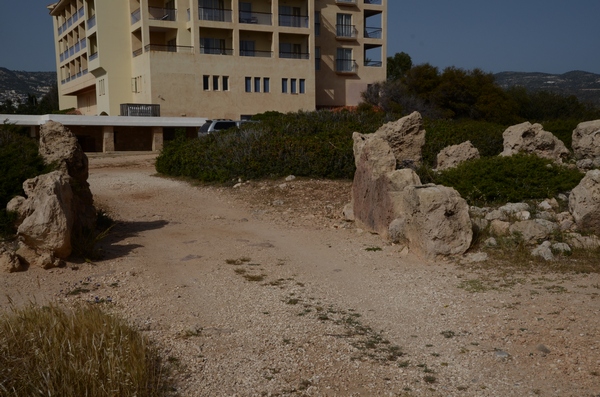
(216, 58)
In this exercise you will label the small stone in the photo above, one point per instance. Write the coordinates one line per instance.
(237, 185)
(290, 178)
(502, 354)
(561, 247)
(542, 348)
(543, 251)
(490, 242)
(523, 215)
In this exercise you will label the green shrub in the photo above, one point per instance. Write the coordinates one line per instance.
(312, 144)
(19, 161)
(45, 351)
(496, 180)
(485, 136)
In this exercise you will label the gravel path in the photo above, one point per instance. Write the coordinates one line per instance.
(250, 296)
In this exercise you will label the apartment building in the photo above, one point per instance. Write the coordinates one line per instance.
(216, 58)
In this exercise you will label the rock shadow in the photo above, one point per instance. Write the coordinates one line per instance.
(111, 246)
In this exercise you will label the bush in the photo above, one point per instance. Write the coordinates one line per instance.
(312, 144)
(45, 351)
(485, 136)
(19, 161)
(497, 180)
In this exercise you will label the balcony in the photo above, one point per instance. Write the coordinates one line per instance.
(216, 51)
(138, 52)
(294, 21)
(140, 110)
(91, 22)
(346, 66)
(259, 18)
(135, 16)
(215, 14)
(294, 55)
(346, 32)
(346, 2)
(162, 14)
(169, 48)
(372, 33)
(93, 56)
(374, 2)
(256, 53)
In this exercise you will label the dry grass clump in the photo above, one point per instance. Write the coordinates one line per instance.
(47, 351)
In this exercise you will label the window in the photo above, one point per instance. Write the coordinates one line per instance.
(293, 86)
(266, 84)
(317, 23)
(302, 86)
(317, 58)
(247, 48)
(290, 16)
(248, 84)
(284, 86)
(285, 50)
(246, 12)
(344, 61)
(216, 83)
(225, 83)
(101, 88)
(205, 82)
(344, 26)
(257, 84)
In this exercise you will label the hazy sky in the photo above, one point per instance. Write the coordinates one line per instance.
(552, 36)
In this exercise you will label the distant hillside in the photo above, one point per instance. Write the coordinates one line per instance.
(584, 85)
(15, 85)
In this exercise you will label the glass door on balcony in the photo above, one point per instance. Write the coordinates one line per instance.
(290, 16)
(209, 45)
(344, 25)
(344, 61)
(212, 10)
(247, 48)
(245, 12)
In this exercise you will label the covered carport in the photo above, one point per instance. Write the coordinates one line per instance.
(113, 133)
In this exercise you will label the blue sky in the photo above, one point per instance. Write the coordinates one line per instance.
(551, 36)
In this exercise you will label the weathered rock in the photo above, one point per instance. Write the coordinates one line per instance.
(434, 220)
(406, 138)
(523, 215)
(348, 212)
(576, 240)
(513, 208)
(586, 140)
(533, 230)
(9, 262)
(561, 247)
(544, 251)
(531, 138)
(499, 227)
(496, 215)
(452, 156)
(59, 146)
(49, 217)
(490, 242)
(37, 258)
(479, 224)
(584, 202)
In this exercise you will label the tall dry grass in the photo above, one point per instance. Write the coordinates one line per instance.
(48, 351)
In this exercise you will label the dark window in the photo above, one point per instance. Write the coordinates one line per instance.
(248, 84)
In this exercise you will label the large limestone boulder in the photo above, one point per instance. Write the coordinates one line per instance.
(584, 202)
(531, 138)
(406, 138)
(432, 220)
(48, 215)
(452, 156)
(586, 140)
(59, 146)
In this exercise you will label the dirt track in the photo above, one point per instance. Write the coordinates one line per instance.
(263, 290)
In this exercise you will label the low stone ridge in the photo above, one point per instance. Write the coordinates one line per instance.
(58, 206)
(432, 220)
(452, 156)
(531, 138)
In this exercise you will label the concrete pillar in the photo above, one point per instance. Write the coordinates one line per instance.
(157, 138)
(108, 141)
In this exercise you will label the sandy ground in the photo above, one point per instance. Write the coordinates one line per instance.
(263, 290)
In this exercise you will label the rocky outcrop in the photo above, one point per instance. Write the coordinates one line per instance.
(452, 156)
(531, 138)
(9, 261)
(58, 206)
(586, 144)
(432, 220)
(584, 203)
(406, 138)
